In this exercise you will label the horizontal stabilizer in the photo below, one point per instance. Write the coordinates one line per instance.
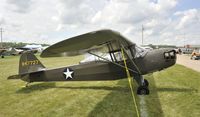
(14, 77)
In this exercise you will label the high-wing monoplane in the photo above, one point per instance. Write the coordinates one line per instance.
(114, 52)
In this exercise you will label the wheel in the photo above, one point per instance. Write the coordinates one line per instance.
(143, 90)
(146, 83)
(194, 58)
(2, 56)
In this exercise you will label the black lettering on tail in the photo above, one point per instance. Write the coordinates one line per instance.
(29, 63)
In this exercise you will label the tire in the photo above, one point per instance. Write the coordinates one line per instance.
(142, 90)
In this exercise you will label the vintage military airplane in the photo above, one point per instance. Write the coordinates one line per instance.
(20, 50)
(100, 44)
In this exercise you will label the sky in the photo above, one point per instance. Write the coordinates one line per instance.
(172, 22)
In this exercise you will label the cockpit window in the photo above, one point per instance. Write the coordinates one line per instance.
(140, 52)
(89, 58)
(132, 51)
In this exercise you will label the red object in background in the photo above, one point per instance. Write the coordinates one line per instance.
(186, 46)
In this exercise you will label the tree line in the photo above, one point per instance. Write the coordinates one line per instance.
(19, 44)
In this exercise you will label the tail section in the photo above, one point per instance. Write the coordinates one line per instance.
(29, 63)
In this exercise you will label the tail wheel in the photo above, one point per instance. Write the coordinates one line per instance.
(143, 90)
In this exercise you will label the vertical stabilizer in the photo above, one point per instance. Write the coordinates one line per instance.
(29, 63)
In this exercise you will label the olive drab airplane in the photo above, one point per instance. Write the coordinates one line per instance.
(107, 45)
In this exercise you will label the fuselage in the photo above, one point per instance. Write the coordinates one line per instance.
(154, 60)
(91, 71)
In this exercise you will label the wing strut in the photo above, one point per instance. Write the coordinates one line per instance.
(130, 81)
(133, 63)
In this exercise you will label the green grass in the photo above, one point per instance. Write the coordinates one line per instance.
(174, 93)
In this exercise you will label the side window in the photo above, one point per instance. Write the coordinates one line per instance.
(119, 55)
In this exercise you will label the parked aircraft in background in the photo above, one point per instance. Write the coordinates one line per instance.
(2, 51)
(31, 48)
(15, 51)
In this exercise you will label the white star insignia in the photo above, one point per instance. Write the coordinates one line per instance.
(68, 73)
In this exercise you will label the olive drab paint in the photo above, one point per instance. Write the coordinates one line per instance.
(139, 62)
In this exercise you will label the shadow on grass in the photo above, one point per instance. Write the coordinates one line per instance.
(36, 87)
(115, 104)
(166, 89)
(118, 104)
(118, 88)
(44, 86)
(153, 105)
(119, 101)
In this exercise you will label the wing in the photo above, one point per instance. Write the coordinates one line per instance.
(83, 43)
(22, 48)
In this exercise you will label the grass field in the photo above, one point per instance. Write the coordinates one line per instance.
(175, 92)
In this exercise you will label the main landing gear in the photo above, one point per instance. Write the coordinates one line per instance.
(143, 88)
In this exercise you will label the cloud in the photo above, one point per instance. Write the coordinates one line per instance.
(51, 21)
(155, 16)
(188, 17)
(2, 21)
(21, 6)
(73, 12)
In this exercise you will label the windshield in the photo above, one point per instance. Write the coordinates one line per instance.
(140, 52)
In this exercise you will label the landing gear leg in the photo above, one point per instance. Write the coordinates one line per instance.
(146, 83)
(143, 85)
